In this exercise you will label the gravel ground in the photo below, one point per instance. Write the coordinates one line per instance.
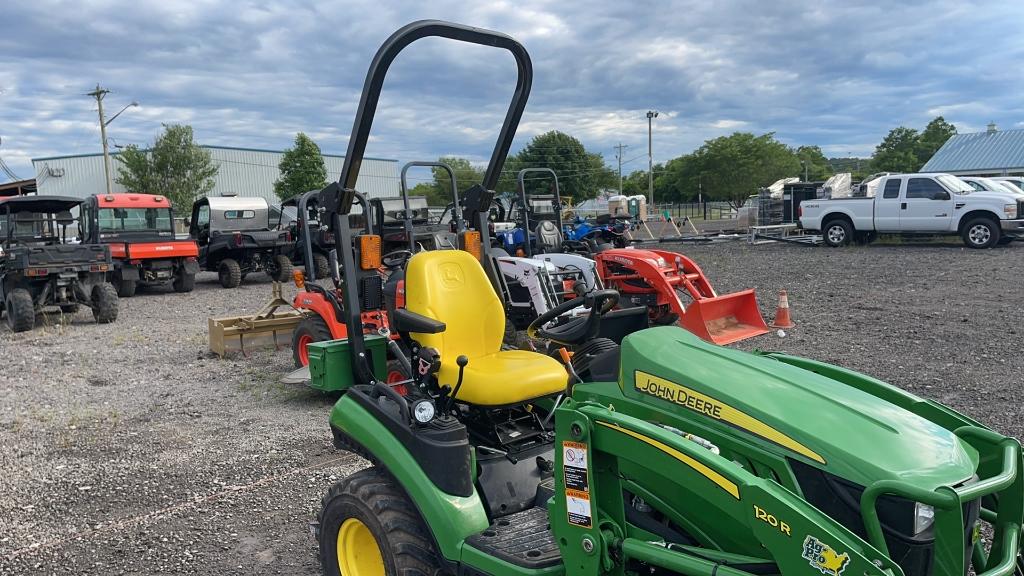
(128, 449)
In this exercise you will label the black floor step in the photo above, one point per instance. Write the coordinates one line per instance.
(523, 539)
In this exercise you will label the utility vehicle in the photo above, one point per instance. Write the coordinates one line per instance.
(662, 455)
(139, 228)
(41, 267)
(916, 204)
(236, 238)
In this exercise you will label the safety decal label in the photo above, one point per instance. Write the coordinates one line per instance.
(577, 483)
(578, 505)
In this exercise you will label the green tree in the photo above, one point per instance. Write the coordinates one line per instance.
(933, 137)
(175, 167)
(302, 169)
(466, 175)
(734, 167)
(818, 167)
(581, 174)
(898, 151)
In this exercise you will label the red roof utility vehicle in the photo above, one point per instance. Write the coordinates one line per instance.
(139, 228)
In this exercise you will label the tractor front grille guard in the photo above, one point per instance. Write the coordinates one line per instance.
(1001, 492)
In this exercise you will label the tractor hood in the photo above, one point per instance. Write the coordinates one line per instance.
(794, 412)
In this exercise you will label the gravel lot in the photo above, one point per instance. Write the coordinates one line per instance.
(128, 449)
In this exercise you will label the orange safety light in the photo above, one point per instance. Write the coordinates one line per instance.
(299, 278)
(369, 252)
(469, 241)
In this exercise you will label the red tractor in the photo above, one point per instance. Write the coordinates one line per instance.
(139, 229)
(663, 281)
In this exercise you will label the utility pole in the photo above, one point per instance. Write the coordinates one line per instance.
(98, 94)
(651, 114)
(618, 155)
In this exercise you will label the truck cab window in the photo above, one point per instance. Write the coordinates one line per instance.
(925, 188)
(892, 189)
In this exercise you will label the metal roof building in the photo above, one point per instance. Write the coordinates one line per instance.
(242, 171)
(990, 153)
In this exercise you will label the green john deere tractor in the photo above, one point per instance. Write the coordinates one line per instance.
(659, 454)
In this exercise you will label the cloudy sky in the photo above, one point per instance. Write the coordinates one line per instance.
(835, 74)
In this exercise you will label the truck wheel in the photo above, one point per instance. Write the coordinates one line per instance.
(184, 282)
(229, 273)
(980, 233)
(126, 288)
(369, 527)
(104, 303)
(837, 233)
(310, 330)
(281, 268)
(322, 266)
(21, 311)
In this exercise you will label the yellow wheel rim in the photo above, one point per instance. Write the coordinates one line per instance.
(358, 552)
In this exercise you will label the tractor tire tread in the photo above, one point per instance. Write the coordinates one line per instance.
(282, 270)
(184, 282)
(104, 303)
(322, 266)
(229, 272)
(315, 327)
(126, 288)
(405, 543)
(21, 310)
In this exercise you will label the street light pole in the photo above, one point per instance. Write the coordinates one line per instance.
(98, 94)
(651, 115)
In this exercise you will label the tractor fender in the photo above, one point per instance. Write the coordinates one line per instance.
(450, 518)
(316, 303)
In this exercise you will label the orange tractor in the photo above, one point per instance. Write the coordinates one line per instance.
(675, 290)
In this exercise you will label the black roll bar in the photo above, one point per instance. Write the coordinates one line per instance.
(459, 225)
(525, 206)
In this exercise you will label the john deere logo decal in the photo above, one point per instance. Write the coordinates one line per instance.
(823, 557)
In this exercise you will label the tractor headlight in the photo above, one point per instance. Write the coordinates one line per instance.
(924, 517)
(1010, 210)
(423, 411)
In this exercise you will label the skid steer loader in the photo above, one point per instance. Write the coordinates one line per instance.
(662, 455)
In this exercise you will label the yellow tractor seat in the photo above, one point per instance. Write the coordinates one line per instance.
(450, 286)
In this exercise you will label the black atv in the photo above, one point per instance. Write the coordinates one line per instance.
(235, 238)
(40, 268)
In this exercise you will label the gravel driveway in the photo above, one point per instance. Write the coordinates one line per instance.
(128, 449)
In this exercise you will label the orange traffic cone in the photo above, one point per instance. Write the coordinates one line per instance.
(782, 319)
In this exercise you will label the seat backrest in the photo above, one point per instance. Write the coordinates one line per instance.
(450, 286)
(548, 234)
(64, 218)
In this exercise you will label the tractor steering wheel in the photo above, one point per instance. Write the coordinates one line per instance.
(396, 259)
(577, 330)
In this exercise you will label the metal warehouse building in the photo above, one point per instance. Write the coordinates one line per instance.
(990, 153)
(242, 171)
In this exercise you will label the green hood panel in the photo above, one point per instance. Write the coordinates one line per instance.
(847, 431)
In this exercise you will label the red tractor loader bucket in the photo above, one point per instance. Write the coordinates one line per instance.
(661, 280)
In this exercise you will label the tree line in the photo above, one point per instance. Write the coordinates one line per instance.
(727, 168)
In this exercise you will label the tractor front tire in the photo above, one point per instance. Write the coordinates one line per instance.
(104, 303)
(184, 282)
(368, 526)
(311, 329)
(126, 288)
(21, 311)
(322, 266)
(229, 273)
(281, 269)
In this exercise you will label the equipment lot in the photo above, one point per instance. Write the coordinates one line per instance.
(127, 449)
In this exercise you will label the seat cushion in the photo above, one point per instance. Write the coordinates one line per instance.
(506, 377)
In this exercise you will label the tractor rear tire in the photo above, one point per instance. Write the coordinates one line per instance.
(229, 273)
(322, 266)
(184, 282)
(21, 311)
(311, 329)
(980, 233)
(368, 525)
(126, 288)
(281, 270)
(104, 303)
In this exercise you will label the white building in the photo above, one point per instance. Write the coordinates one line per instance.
(242, 171)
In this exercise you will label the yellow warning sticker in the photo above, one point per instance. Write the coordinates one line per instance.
(577, 504)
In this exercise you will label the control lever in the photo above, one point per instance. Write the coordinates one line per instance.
(396, 351)
(461, 361)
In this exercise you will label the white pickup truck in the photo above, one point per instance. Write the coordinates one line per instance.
(926, 204)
